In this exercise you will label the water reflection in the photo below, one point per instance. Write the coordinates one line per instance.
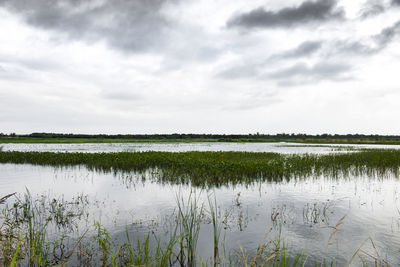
(286, 148)
(325, 217)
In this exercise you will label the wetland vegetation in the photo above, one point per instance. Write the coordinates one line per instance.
(45, 230)
(221, 168)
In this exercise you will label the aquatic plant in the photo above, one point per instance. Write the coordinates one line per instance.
(31, 219)
(213, 209)
(188, 221)
(30, 243)
(220, 168)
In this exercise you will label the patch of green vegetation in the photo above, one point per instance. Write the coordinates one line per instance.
(221, 168)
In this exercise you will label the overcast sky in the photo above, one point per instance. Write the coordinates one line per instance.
(200, 66)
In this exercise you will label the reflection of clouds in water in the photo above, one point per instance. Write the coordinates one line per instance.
(305, 206)
(286, 148)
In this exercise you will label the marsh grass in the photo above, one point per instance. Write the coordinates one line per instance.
(213, 209)
(214, 169)
(34, 220)
(25, 237)
(189, 218)
(24, 240)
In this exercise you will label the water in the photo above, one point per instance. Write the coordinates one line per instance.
(181, 147)
(303, 209)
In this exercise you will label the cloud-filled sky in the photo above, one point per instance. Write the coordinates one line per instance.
(200, 66)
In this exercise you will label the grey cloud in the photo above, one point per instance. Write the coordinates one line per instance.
(303, 73)
(129, 25)
(309, 11)
(328, 50)
(252, 69)
(375, 7)
(372, 8)
(367, 47)
(349, 47)
(240, 71)
(306, 48)
(387, 35)
(395, 2)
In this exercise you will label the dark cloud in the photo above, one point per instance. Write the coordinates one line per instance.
(395, 2)
(130, 25)
(302, 73)
(309, 11)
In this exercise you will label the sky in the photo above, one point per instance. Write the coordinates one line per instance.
(200, 66)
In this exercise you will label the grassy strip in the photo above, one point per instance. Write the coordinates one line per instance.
(221, 168)
(30, 140)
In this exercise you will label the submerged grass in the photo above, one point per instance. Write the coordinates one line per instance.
(221, 168)
(24, 241)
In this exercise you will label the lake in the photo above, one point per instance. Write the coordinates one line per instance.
(323, 217)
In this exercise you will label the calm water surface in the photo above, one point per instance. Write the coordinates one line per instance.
(180, 147)
(303, 208)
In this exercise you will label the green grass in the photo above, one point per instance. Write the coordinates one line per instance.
(220, 168)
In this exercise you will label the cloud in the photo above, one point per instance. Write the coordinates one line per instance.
(369, 46)
(395, 2)
(306, 48)
(328, 50)
(253, 69)
(304, 73)
(128, 25)
(309, 11)
(122, 96)
(239, 72)
(387, 35)
(372, 8)
(376, 7)
(350, 48)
